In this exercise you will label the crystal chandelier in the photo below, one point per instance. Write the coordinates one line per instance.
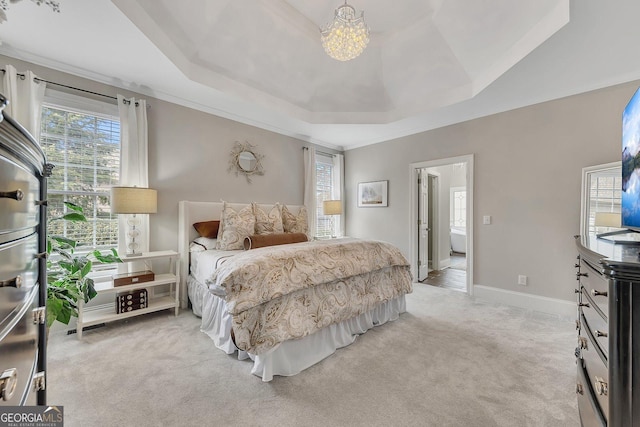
(346, 37)
(4, 5)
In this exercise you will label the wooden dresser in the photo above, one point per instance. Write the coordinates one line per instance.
(22, 266)
(608, 325)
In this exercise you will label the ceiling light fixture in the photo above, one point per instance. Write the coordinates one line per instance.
(346, 37)
(4, 5)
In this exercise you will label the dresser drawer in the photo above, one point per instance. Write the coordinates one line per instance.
(595, 365)
(19, 191)
(19, 350)
(597, 327)
(590, 412)
(596, 285)
(18, 273)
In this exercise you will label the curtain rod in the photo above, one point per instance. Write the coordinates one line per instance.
(38, 80)
(321, 152)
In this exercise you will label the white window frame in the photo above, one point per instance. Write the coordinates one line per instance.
(326, 160)
(588, 173)
(69, 102)
(452, 192)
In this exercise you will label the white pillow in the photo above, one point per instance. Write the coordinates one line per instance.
(235, 226)
(202, 244)
(268, 222)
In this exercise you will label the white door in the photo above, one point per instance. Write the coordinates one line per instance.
(423, 225)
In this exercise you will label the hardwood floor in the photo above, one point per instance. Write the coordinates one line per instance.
(454, 277)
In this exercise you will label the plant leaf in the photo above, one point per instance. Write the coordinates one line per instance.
(106, 258)
(63, 242)
(74, 216)
(86, 269)
(73, 207)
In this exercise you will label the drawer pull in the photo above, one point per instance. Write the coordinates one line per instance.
(8, 383)
(577, 324)
(41, 255)
(576, 265)
(16, 282)
(39, 315)
(39, 382)
(582, 274)
(599, 293)
(584, 343)
(15, 195)
(584, 304)
(602, 388)
(579, 389)
(600, 334)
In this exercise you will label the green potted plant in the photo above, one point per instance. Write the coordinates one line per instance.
(67, 272)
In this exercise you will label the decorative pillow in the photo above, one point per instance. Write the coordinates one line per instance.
(268, 223)
(200, 244)
(207, 228)
(234, 227)
(295, 223)
(273, 239)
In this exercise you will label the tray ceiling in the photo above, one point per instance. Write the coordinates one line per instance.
(430, 63)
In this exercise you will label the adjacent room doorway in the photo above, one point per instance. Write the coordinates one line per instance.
(441, 222)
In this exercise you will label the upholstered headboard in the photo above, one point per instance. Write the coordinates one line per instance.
(190, 213)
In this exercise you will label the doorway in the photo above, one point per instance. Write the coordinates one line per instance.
(441, 222)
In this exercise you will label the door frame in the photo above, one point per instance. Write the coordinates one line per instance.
(434, 216)
(413, 211)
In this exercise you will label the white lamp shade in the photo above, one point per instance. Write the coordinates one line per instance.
(133, 200)
(607, 219)
(332, 207)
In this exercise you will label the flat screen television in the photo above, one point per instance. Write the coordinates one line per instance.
(630, 217)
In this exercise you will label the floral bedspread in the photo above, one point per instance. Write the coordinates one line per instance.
(286, 292)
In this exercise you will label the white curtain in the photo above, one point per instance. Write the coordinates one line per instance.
(338, 192)
(310, 188)
(134, 164)
(25, 94)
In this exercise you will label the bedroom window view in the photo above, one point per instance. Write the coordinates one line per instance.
(324, 185)
(84, 147)
(605, 195)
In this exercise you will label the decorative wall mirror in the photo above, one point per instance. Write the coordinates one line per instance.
(245, 160)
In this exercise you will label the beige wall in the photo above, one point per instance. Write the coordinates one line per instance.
(527, 176)
(527, 165)
(189, 155)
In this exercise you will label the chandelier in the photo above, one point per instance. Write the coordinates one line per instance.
(4, 5)
(346, 37)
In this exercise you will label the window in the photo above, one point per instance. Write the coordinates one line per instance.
(82, 141)
(458, 208)
(324, 191)
(602, 192)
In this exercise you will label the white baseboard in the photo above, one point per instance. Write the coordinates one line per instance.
(562, 308)
(444, 263)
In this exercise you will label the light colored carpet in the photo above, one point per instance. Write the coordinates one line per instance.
(448, 361)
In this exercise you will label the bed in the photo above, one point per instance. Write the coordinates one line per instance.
(289, 306)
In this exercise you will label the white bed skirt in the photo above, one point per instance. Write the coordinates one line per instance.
(293, 356)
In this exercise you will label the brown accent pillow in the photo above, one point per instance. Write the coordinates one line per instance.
(207, 228)
(262, 240)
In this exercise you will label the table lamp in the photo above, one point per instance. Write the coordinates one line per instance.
(332, 208)
(133, 201)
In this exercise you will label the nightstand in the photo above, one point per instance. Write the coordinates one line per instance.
(94, 315)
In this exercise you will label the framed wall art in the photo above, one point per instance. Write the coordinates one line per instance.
(372, 194)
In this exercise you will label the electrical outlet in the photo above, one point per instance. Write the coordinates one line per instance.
(486, 220)
(522, 280)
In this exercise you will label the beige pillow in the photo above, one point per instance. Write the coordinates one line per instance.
(268, 223)
(234, 227)
(295, 223)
